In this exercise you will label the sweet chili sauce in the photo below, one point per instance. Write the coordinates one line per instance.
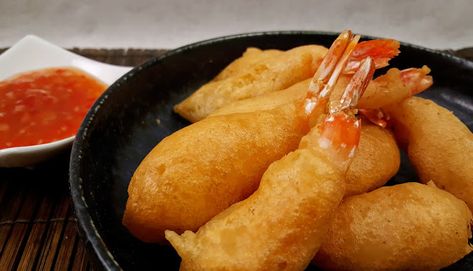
(45, 105)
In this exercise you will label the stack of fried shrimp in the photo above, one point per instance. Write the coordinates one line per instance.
(285, 163)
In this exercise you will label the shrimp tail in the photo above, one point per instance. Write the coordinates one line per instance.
(340, 130)
(381, 51)
(417, 80)
(327, 74)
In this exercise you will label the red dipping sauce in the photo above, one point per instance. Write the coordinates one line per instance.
(45, 105)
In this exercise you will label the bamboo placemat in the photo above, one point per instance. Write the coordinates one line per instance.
(37, 225)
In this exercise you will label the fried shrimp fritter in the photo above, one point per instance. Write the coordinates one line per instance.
(200, 170)
(410, 226)
(279, 227)
(270, 74)
(439, 145)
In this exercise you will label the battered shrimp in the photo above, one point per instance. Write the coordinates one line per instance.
(409, 226)
(281, 226)
(439, 145)
(272, 74)
(273, 70)
(390, 88)
(199, 171)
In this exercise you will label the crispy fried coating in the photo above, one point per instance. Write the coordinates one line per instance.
(439, 145)
(200, 170)
(271, 74)
(267, 101)
(250, 57)
(279, 227)
(376, 160)
(410, 226)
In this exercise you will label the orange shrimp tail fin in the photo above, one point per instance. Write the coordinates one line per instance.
(340, 133)
(417, 80)
(381, 51)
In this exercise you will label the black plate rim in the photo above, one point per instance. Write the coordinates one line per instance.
(86, 225)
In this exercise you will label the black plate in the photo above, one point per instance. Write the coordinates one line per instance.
(122, 127)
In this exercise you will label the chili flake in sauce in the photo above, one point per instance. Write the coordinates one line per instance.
(45, 105)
